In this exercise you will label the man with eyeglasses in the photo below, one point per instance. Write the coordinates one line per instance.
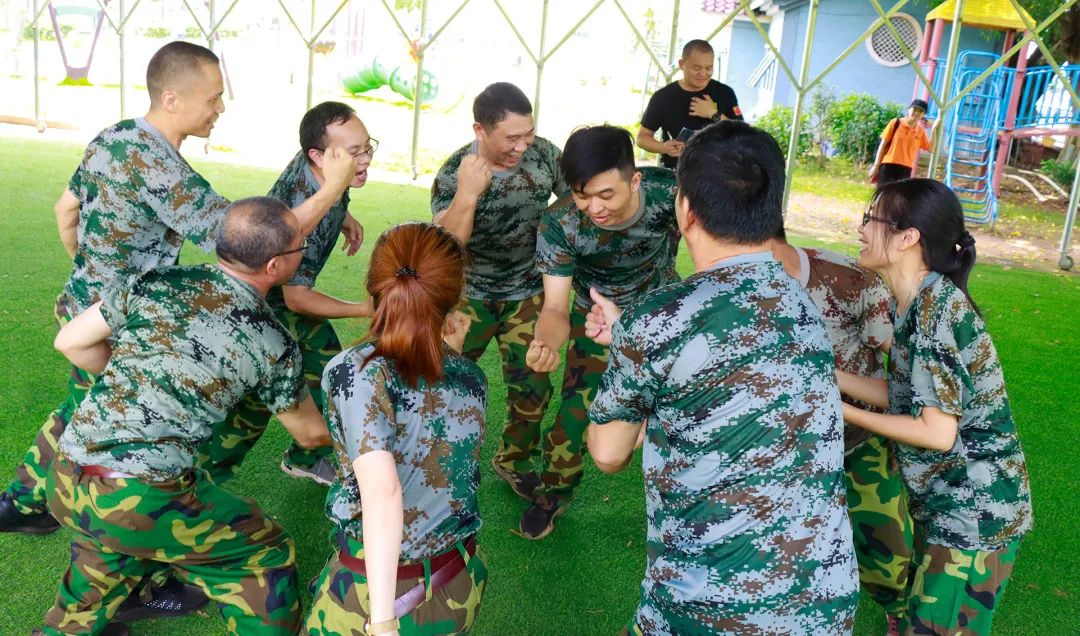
(305, 312)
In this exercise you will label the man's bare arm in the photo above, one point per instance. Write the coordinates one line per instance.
(67, 221)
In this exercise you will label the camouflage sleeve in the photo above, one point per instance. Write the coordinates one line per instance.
(875, 323)
(188, 205)
(75, 184)
(628, 387)
(938, 373)
(114, 307)
(443, 189)
(554, 255)
(559, 189)
(308, 269)
(284, 388)
(367, 412)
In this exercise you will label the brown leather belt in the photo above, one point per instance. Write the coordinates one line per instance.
(94, 470)
(444, 567)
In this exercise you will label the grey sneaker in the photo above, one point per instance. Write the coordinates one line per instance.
(321, 472)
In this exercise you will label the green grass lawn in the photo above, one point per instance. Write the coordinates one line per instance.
(584, 578)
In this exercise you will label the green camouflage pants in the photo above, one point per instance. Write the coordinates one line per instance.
(955, 592)
(880, 524)
(512, 323)
(208, 536)
(341, 606)
(27, 490)
(585, 364)
(243, 427)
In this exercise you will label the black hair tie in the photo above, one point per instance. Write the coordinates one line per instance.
(405, 270)
(966, 240)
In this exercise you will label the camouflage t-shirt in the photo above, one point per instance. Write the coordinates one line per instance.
(975, 496)
(434, 433)
(190, 343)
(857, 308)
(502, 248)
(748, 531)
(138, 201)
(297, 184)
(623, 262)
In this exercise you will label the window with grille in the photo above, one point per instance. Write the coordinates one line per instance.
(883, 47)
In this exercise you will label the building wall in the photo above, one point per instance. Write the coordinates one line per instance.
(839, 22)
(744, 54)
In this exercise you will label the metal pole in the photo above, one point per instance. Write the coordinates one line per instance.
(800, 95)
(674, 35)
(213, 31)
(540, 61)
(310, 57)
(950, 65)
(37, 63)
(1064, 260)
(421, 45)
(123, 74)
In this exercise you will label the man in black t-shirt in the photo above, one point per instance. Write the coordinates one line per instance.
(690, 103)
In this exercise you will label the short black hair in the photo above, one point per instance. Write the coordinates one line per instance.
(313, 124)
(732, 175)
(696, 45)
(593, 150)
(492, 104)
(172, 62)
(253, 231)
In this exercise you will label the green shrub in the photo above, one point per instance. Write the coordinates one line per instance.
(856, 124)
(777, 122)
(158, 33)
(1061, 171)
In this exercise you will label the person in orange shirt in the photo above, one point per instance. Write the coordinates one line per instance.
(900, 144)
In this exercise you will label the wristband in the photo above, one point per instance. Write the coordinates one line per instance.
(384, 627)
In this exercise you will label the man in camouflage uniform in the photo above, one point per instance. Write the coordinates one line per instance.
(174, 352)
(128, 209)
(490, 193)
(618, 236)
(856, 305)
(729, 378)
(305, 312)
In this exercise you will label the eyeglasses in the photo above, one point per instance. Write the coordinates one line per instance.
(303, 246)
(369, 151)
(867, 217)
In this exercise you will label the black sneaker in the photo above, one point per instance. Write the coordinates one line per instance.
(12, 520)
(539, 519)
(523, 484)
(321, 472)
(112, 629)
(172, 600)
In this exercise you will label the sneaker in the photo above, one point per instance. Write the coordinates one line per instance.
(894, 625)
(524, 484)
(171, 600)
(539, 519)
(112, 629)
(321, 472)
(12, 520)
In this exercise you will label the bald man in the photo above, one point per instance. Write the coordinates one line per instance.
(128, 209)
(124, 480)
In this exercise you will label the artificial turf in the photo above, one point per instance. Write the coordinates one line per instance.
(584, 578)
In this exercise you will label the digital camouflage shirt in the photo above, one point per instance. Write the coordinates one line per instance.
(295, 185)
(748, 530)
(857, 308)
(623, 262)
(434, 433)
(190, 342)
(138, 201)
(975, 496)
(502, 248)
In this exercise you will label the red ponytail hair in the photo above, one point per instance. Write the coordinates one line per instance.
(415, 280)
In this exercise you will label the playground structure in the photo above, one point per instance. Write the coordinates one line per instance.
(374, 73)
(939, 90)
(996, 104)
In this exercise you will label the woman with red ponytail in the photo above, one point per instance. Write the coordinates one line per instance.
(406, 415)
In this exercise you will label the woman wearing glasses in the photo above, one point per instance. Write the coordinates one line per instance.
(406, 414)
(948, 413)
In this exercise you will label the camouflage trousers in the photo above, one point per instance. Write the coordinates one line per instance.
(208, 536)
(27, 490)
(954, 592)
(880, 524)
(233, 438)
(585, 365)
(340, 605)
(512, 323)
